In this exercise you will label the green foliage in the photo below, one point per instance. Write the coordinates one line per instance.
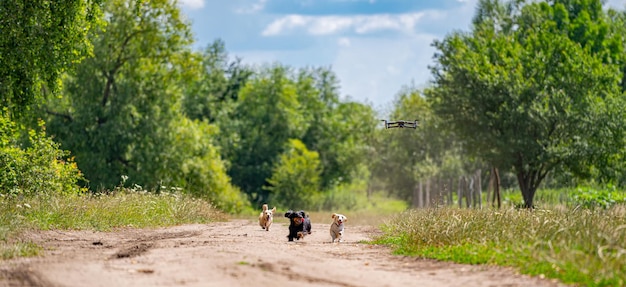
(116, 111)
(278, 104)
(338, 130)
(338, 198)
(295, 177)
(588, 197)
(404, 157)
(122, 114)
(39, 41)
(577, 246)
(37, 166)
(531, 97)
(195, 165)
(213, 92)
(267, 115)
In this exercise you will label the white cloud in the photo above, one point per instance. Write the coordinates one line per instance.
(193, 4)
(360, 24)
(252, 9)
(344, 42)
(375, 70)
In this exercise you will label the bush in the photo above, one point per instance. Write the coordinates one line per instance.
(295, 178)
(593, 198)
(38, 166)
(196, 166)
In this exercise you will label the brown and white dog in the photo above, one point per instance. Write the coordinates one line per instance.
(266, 218)
(336, 229)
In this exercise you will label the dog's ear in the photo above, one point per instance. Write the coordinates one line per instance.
(345, 218)
(301, 212)
(288, 213)
(334, 215)
(274, 209)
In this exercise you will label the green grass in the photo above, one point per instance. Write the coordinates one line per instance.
(584, 196)
(580, 246)
(94, 212)
(372, 212)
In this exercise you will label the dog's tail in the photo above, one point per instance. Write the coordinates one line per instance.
(265, 207)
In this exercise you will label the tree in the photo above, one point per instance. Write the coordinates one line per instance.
(120, 101)
(122, 112)
(520, 93)
(338, 130)
(214, 93)
(267, 115)
(409, 156)
(295, 177)
(278, 104)
(39, 41)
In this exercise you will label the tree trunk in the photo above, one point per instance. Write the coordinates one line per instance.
(490, 187)
(496, 187)
(459, 192)
(529, 195)
(421, 195)
(528, 187)
(450, 192)
(415, 201)
(479, 188)
(470, 193)
(427, 201)
(529, 176)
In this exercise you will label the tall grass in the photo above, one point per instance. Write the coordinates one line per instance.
(94, 212)
(583, 246)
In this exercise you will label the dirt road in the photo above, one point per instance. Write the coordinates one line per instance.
(236, 253)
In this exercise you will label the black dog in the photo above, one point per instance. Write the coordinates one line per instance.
(299, 224)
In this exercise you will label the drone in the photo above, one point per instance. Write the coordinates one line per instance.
(400, 124)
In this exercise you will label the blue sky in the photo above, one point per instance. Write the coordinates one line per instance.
(375, 47)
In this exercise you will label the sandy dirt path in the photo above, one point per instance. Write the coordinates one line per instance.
(236, 253)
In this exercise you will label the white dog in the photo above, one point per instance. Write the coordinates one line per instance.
(266, 217)
(336, 229)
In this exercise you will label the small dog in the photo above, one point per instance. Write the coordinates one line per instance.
(266, 218)
(299, 224)
(336, 229)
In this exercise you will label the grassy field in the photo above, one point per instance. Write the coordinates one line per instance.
(581, 246)
(91, 212)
